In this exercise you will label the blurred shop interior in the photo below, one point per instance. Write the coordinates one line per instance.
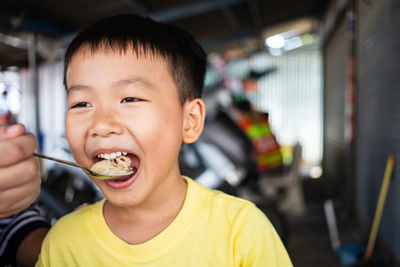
(301, 112)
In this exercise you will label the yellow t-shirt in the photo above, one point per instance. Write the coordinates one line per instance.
(211, 229)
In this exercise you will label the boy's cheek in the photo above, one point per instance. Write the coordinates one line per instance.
(68, 129)
(73, 136)
(76, 151)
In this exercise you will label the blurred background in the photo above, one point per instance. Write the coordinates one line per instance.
(301, 111)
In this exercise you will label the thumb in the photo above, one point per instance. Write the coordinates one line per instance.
(11, 131)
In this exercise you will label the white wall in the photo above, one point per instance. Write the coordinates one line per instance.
(52, 101)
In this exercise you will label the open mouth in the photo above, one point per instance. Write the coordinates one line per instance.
(118, 163)
(122, 179)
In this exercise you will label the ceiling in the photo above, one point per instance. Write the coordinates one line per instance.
(216, 24)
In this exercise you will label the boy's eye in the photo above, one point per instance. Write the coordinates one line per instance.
(130, 99)
(81, 105)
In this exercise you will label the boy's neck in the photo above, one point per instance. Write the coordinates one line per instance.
(139, 224)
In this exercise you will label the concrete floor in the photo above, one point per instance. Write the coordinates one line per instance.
(308, 244)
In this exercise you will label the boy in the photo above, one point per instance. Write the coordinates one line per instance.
(133, 88)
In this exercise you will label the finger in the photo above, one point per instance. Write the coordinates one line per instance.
(18, 206)
(11, 131)
(17, 149)
(18, 174)
(18, 198)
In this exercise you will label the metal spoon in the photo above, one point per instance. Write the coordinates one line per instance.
(88, 171)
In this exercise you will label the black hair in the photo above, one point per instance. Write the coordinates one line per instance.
(185, 57)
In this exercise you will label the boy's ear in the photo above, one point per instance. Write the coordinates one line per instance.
(194, 115)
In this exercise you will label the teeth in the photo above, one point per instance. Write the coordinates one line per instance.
(112, 155)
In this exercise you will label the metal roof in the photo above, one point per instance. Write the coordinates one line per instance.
(214, 23)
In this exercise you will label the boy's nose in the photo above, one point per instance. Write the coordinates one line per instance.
(105, 124)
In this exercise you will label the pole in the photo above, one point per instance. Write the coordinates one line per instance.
(379, 208)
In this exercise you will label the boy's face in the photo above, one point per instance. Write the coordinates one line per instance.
(124, 103)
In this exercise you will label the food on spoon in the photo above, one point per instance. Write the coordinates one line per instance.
(115, 167)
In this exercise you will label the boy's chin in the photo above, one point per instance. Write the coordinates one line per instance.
(122, 201)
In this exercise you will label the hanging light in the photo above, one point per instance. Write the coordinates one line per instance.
(275, 41)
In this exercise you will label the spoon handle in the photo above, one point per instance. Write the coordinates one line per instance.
(59, 160)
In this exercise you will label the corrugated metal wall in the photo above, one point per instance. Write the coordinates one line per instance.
(292, 95)
(335, 64)
(378, 113)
